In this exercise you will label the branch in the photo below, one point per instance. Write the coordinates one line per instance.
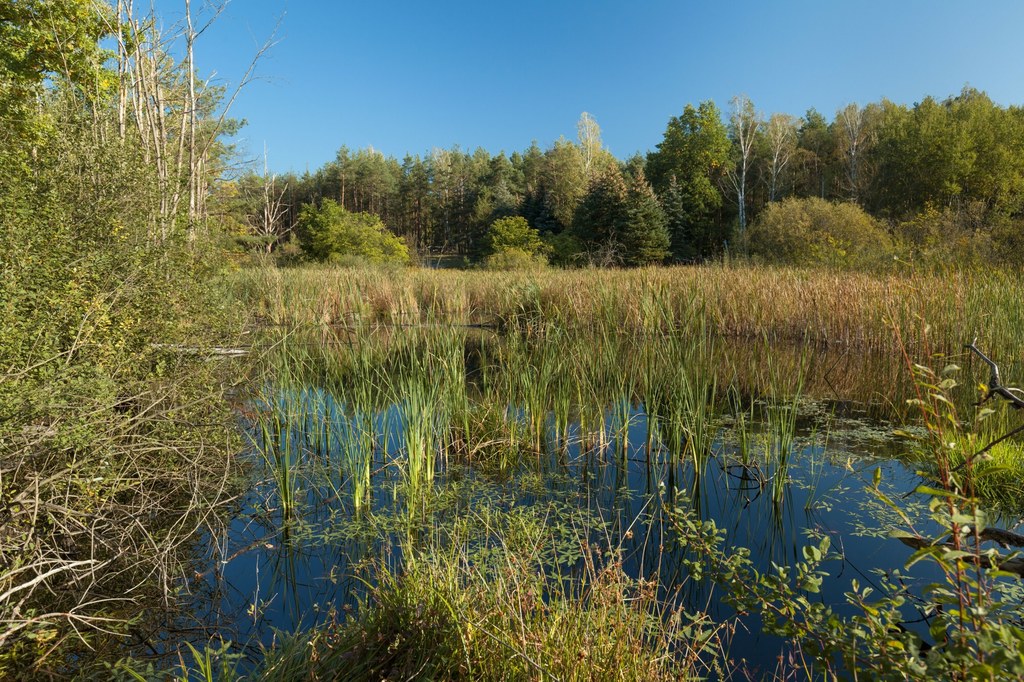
(995, 387)
(1013, 565)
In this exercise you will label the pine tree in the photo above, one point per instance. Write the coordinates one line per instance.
(645, 237)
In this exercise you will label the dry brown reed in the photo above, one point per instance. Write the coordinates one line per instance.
(819, 307)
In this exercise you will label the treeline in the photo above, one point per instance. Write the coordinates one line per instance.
(940, 180)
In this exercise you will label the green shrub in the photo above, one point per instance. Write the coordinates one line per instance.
(515, 233)
(515, 259)
(330, 233)
(818, 232)
(969, 236)
(511, 244)
(113, 432)
(566, 249)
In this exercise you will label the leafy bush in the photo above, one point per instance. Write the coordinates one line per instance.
(818, 232)
(110, 415)
(511, 244)
(330, 233)
(566, 249)
(515, 233)
(515, 259)
(968, 236)
(973, 612)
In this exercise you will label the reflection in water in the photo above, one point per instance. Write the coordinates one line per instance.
(626, 466)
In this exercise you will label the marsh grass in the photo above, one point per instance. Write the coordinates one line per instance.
(990, 472)
(783, 401)
(817, 306)
(511, 595)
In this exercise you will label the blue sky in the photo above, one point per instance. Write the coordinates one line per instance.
(408, 76)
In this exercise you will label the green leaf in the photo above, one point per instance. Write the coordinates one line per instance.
(921, 554)
(934, 492)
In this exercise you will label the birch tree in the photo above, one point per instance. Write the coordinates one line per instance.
(178, 118)
(744, 124)
(780, 134)
(854, 134)
(267, 223)
(596, 157)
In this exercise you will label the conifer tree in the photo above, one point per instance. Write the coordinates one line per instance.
(682, 242)
(645, 237)
(600, 219)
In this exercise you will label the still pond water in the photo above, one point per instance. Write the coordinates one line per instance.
(772, 494)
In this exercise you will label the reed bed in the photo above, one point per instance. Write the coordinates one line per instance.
(504, 402)
(814, 306)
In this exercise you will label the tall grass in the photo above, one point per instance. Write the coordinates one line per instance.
(489, 597)
(821, 307)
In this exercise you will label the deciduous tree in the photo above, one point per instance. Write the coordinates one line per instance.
(693, 155)
(780, 140)
(744, 125)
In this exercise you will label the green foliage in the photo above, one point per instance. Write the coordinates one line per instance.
(515, 259)
(962, 154)
(40, 38)
(111, 420)
(566, 249)
(695, 149)
(682, 240)
(99, 418)
(690, 164)
(601, 218)
(969, 235)
(513, 233)
(645, 238)
(961, 150)
(511, 244)
(330, 233)
(817, 232)
(946, 237)
(812, 168)
(564, 177)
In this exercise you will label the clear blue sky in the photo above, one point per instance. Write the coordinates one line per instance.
(407, 76)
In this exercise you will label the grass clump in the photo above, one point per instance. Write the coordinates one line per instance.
(509, 595)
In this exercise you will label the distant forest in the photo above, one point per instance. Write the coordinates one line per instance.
(941, 180)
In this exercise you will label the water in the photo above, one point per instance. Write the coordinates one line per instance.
(286, 577)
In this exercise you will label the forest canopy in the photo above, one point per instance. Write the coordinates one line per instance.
(708, 186)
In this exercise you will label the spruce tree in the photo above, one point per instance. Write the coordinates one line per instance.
(601, 217)
(645, 238)
(682, 244)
